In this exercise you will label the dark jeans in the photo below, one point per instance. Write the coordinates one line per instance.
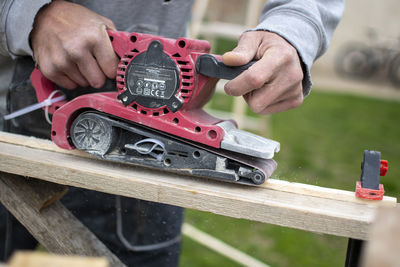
(124, 224)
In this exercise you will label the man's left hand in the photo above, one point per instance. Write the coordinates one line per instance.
(272, 84)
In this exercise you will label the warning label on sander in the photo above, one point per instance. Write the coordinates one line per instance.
(151, 82)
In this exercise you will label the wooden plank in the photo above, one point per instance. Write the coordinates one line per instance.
(34, 142)
(54, 227)
(40, 259)
(274, 184)
(43, 193)
(306, 207)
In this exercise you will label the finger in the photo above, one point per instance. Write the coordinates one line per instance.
(75, 75)
(283, 86)
(106, 57)
(55, 72)
(244, 52)
(63, 81)
(91, 71)
(294, 91)
(266, 100)
(256, 76)
(259, 99)
(58, 64)
(283, 105)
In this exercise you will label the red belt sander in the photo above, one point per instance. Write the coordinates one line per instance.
(154, 117)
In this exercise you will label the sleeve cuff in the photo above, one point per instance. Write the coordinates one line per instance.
(304, 36)
(19, 25)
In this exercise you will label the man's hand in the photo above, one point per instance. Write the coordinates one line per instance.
(71, 45)
(272, 84)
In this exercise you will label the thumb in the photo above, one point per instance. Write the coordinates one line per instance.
(244, 52)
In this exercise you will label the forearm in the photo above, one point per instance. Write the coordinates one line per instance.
(306, 24)
(16, 21)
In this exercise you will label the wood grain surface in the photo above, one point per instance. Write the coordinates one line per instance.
(300, 206)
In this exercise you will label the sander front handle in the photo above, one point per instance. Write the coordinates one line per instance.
(208, 65)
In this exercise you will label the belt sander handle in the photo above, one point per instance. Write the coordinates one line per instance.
(209, 65)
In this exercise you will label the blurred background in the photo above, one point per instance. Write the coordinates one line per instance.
(354, 105)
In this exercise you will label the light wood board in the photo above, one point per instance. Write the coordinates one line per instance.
(40, 259)
(54, 226)
(295, 205)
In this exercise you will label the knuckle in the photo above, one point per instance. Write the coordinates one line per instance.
(47, 69)
(286, 55)
(298, 75)
(295, 77)
(59, 64)
(49, 72)
(255, 80)
(257, 108)
(74, 49)
(77, 45)
(256, 104)
(296, 101)
(95, 37)
(76, 55)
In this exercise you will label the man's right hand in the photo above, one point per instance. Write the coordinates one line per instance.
(71, 45)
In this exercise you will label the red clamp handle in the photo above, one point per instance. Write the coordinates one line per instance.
(384, 167)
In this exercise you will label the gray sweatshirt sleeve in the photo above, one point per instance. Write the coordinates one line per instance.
(306, 24)
(17, 16)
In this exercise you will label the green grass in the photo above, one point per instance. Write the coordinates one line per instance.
(322, 143)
